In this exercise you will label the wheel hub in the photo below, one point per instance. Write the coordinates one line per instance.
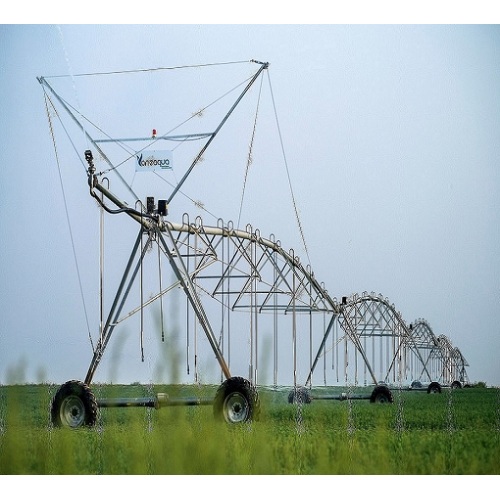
(72, 411)
(236, 408)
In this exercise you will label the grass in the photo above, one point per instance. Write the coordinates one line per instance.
(456, 432)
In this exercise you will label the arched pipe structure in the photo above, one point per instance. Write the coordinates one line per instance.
(243, 271)
(459, 372)
(428, 346)
(257, 275)
(441, 361)
(382, 338)
(273, 280)
(254, 274)
(452, 363)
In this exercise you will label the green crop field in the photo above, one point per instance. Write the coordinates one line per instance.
(455, 432)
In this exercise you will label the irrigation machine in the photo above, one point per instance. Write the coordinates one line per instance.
(244, 293)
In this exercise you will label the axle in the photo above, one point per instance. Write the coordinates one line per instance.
(160, 400)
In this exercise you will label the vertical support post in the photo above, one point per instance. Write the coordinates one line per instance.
(101, 270)
(160, 274)
(310, 331)
(255, 311)
(294, 333)
(187, 301)
(141, 288)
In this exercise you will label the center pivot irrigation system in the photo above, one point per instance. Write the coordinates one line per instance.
(254, 303)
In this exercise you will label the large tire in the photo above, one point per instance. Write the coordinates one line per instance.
(236, 401)
(456, 385)
(299, 395)
(381, 394)
(434, 388)
(74, 405)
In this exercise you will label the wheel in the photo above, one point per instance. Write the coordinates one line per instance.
(456, 385)
(434, 388)
(416, 384)
(381, 394)
(74, 405)
(299, 395)
(236, 401)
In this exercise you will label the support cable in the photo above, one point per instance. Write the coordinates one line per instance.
(145, 70)
(250, 153)
(87, 136)
(47, 98)
(216, 131)
(69, 224)
(299, 223)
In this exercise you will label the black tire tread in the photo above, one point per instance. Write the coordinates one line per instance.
(381, 390)
(299, 395)
(80, 389)
(434, 387)
(243, 386)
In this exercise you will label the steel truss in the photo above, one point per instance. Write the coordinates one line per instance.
(383, 343)
(379, 347)
(238, 269)
(442, 362)
(242, 271)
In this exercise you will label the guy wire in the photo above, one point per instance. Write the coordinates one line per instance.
(69, 223)
(288, 173)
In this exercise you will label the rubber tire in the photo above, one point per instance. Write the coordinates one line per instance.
(236, 401)
(416, 384)
(73, 406)
(299, 395)
(381, 394)
(434, 388)
(456, 385)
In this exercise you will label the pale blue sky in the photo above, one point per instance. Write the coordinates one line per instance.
(392, 139)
